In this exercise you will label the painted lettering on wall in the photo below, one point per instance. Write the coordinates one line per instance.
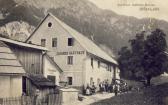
(71, 53)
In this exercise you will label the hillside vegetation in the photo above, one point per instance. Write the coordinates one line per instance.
(108, 28)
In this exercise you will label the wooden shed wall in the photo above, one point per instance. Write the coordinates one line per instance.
(31, 59)
(31, 89)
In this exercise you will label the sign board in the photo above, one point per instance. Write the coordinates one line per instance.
(71, 53)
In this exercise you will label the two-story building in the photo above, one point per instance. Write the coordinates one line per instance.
(81, 60)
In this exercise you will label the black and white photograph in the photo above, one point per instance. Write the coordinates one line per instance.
(83, 52)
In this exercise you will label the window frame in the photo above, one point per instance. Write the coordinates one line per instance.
(49, 24)
(109, 68)
(91, 81)
(91, 63)
(43, 42)
(54, 42)
(98, 64)
(70, 80)
(51, 76)
(70, 41)
(70, 60)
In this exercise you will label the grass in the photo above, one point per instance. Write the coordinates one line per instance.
(153, 95)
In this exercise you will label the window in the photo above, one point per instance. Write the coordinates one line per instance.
(92, 62)
(54, 42)
(43, 42)
(49, 24)
(69, 80)
(98, 63)
(70, 60)
(52, 78)
(70, 41)
(109, 68)
(91, 81)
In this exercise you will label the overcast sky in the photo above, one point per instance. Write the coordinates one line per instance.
(162, 13)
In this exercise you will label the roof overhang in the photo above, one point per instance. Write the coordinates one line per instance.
(40, 81)
(12, 74)
(22, 44)
(101, 59)
(53, 62)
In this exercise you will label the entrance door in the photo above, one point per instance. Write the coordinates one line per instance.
(24, 85)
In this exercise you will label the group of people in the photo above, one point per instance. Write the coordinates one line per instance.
(104, 86)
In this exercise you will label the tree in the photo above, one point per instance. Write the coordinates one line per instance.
(124, 62)
(145, 58)
(154, 57)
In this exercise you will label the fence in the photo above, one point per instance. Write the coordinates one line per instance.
(54, 99)
(51, 99)
(17, 101)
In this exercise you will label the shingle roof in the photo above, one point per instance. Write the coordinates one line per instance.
(90, 46)
(22, 44)
(8, 61)
(40, 81)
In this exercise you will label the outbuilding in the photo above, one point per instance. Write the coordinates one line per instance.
(26, 68)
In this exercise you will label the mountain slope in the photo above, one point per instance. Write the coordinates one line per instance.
(106, 27)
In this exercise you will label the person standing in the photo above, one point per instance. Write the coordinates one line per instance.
(106, 86)
(88, 90)
(93, 88)
(116, 90)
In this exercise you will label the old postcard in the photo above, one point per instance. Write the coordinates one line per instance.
(83, 52)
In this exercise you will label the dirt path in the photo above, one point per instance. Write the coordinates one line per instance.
(87, 100)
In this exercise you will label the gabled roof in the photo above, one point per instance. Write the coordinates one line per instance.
(90, 46)
(8, 61)
(22, 44)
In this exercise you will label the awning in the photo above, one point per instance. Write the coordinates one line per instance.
(40, 81)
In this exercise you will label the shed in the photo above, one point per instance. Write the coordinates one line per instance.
(11, 72)
(42, 84)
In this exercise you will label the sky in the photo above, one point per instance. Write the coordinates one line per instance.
(155, 8)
